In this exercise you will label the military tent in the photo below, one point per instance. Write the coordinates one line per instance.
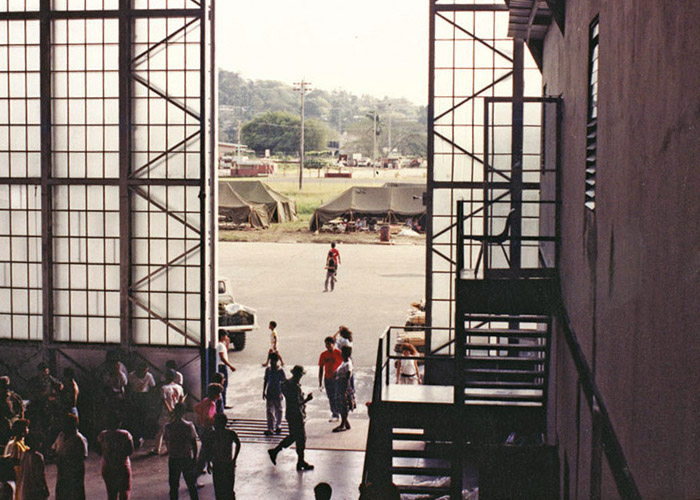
(236, 209)
(395, 204)
(279, 207)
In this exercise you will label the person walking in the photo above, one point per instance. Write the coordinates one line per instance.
(274, 344)
(343, 337)
(407, 369)
(181, 438)
(141, 382)
(171, 394)
(71, 449)
(221, 458)
(272, 394)
(331, 271)
(333, 252)
(345, 392)
(328, 363)
(116, 445)
(32, 484)
(296, 414)
(206, 410)
(224, 364)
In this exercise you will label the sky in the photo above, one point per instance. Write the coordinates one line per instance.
(375, 47)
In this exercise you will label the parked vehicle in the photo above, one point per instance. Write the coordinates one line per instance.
(414, 329)
(235, 319)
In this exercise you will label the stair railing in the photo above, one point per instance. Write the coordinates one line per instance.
(604, 436)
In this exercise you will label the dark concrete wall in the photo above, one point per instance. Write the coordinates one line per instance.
(631, 270)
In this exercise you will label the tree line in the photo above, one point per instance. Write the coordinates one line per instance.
(267, 113)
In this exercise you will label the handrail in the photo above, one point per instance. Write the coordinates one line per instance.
(376, 398)
(625, 483)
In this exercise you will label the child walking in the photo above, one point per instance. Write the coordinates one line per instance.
(274, 344)
(272, 394)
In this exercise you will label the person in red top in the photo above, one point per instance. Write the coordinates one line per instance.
(335, 253)
(206, 409)
(328, 362)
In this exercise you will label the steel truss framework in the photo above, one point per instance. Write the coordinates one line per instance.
(471, 58)
(103, 175)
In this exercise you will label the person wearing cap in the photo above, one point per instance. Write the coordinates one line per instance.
(296, 413)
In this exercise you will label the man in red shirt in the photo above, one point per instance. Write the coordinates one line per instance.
(206, 408)
(335, 253)
(328, 362)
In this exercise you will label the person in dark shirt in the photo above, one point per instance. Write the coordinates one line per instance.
(181, 438)
(296, 413)
(272, 394)
(218, 449)
(331, 270)
(44, 409)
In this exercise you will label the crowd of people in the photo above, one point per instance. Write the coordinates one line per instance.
(133, 406)
(127, 407)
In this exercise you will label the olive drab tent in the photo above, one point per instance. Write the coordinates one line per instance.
(233, 208)
(279, 207)
(394, 204)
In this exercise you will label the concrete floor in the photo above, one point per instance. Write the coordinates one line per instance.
(256, 477)
(285, 282)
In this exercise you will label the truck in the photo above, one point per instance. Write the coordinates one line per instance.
(234, 319)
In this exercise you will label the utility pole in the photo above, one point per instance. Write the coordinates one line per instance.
(238, 145)
(389, 129)
(374, 135)
(303, 88)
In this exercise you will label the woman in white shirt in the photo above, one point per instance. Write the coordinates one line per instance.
(345, 392)
(343, 337)
(407, 370)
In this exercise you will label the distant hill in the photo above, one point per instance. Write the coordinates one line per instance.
(347, 115)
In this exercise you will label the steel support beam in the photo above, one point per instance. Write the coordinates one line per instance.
(46, 194)
(203, 179)
(125, 309)
(516, 176)
(429, 199)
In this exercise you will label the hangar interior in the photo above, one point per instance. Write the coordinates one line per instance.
(104, 176)
(106, 234)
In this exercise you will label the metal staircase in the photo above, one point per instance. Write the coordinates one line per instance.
(442, 439)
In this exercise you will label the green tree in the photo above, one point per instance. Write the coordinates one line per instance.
(278, 131)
